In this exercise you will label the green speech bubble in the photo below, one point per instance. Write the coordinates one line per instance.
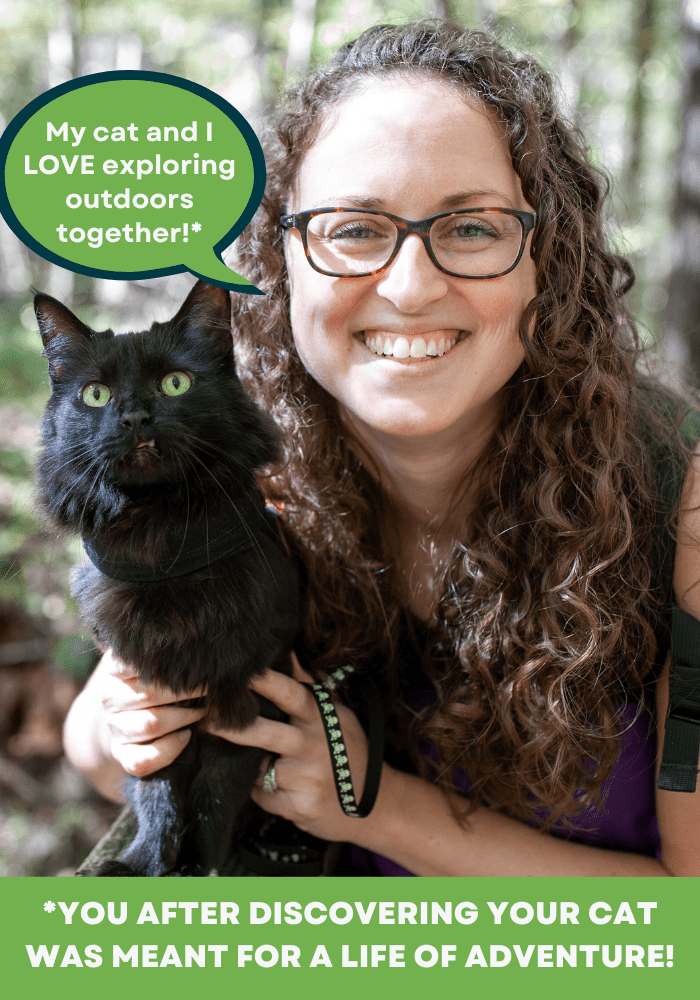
(132, 175)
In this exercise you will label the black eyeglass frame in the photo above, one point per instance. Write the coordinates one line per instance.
(300, 222)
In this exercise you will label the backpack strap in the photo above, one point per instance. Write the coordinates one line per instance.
(679, 765)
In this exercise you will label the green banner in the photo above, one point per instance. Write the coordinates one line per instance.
(342, 937)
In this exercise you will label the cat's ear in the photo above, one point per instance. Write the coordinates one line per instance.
(54, 319)
(58, 328)
(206, 312)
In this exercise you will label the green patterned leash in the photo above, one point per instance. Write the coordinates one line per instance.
(338, 750)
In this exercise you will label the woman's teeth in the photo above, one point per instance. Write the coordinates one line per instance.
(417, 347)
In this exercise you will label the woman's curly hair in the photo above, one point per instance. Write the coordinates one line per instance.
(545, 622)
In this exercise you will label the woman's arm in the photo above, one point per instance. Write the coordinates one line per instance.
(119, 726)
(412, 823)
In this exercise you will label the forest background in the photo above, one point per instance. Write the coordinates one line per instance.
(629, 71)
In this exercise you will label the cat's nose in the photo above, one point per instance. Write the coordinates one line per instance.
(136, 418)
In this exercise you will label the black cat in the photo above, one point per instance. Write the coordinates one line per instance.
(150, 449)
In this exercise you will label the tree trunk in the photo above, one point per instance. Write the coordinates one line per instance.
(681, 332)
(301, 36)
(643, 46)
(443, 8)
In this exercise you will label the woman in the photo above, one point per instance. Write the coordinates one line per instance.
(469, 479)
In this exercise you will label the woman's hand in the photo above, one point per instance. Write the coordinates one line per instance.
(120, 725)
(306, 792)
(144, 724)
(117, 725)
(413, 822)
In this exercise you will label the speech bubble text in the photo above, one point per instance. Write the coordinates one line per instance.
(132, 175)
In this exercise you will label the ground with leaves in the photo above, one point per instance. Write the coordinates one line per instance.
(50, 818)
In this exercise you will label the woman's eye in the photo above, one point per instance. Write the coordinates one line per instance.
(354, 231)
(470, 230)
(176, 383)
(96, 394)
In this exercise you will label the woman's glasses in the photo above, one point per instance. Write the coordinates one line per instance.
(472, 243)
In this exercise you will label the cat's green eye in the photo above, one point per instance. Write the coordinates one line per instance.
(96, 394)
(175, 383)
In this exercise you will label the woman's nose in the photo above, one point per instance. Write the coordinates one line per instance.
(412, 280)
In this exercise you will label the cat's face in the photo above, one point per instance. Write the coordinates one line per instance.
(145, 408)
(140, 403)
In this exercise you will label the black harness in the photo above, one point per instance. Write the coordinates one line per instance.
(205, 541)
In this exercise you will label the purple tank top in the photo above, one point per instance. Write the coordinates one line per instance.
(625, 821)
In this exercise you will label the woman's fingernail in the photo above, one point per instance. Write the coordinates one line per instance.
(184, 734)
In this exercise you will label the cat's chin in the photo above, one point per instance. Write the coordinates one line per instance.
(143, 464)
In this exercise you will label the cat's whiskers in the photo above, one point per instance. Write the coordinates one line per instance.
(100, 475)
(208, 446)
(195, 472)
(251, 534)
(76, 488)
(26, 506)
(187, 516)
(74, 459)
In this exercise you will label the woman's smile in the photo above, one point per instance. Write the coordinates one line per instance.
(412, 347)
